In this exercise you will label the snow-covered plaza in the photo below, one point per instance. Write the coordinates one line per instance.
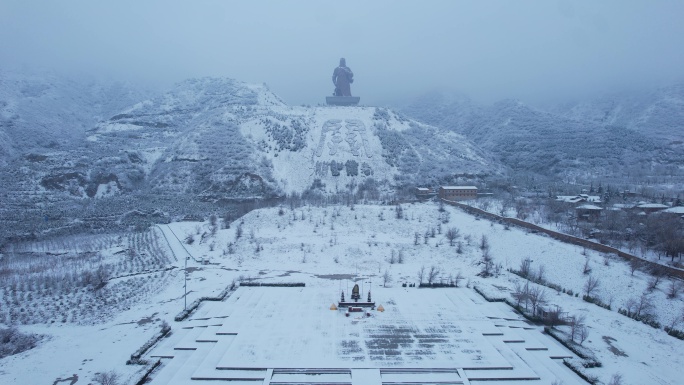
(425, 336)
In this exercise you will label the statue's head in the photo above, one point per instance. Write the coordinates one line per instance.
(343, 63)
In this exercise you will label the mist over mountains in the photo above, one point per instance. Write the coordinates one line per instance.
(622, 135)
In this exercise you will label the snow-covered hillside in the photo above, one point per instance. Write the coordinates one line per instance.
(608, 137)
(40, 112)
(223, 138)
(204, 141)
(327, 247)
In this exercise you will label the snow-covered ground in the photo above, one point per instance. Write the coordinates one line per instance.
(321, 246)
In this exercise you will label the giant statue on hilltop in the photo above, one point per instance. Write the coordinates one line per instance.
(342, 78)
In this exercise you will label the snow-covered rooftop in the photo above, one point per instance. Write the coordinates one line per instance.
(588, 207)
(675, 210)
(459, 187)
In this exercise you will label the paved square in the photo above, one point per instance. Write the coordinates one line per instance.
(289, 335)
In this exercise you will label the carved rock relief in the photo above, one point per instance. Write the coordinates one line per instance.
(354, 135)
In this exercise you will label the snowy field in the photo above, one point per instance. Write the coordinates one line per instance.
(326, 247)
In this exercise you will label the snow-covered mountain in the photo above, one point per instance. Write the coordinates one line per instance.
(44, 111)
(212, 140)
(220, 138)
(657, 113)
(583, 139)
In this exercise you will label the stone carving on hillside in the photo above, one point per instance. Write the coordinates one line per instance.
(355, 137)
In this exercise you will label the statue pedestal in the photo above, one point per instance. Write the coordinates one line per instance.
(356, 304)
(342, 100)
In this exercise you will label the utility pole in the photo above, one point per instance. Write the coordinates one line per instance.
(185, 284)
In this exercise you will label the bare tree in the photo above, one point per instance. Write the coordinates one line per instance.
(540, 273)
(537, 298)
(487, 264)
(591, 285)
(106, 378)
(452, 234)
(673, 289)
(506, 203)
(484, 243)
(458, 278)
(433, 273)
(576, 323)
(399, 212)
(586, 269)
(101, 277)
(521, 211)
(634, 265)
(616, 379)
(387, 277)
(521, 294)
(554, 316)
(641, 307)
(525, 267)
(657, 274)
(400, 256)
(238, 232)
(583, 334)
(421, 274)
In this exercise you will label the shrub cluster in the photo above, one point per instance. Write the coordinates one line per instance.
(647, 319)
(136, 358)
(675, 332)
(275, 284)
(596, 301)
(13, 342)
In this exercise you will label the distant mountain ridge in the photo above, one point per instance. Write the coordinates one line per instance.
(621, 136)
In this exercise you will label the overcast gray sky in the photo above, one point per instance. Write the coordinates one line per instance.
(488, 50)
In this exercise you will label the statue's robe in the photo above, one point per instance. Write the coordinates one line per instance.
(342, 78)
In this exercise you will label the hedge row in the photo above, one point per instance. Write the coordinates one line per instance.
(478, 291)
(436, 285)
(578, 368)
(257, 284)
(145, 378)
(596, 301)
(648, 320)
(195, 304)
(589, 361)
(136, 358)
(675, 332)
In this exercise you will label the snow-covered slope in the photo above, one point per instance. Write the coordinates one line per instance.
(221, 138)
(46, 111)
(609, 137)
(656, 113)
(206, 140)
